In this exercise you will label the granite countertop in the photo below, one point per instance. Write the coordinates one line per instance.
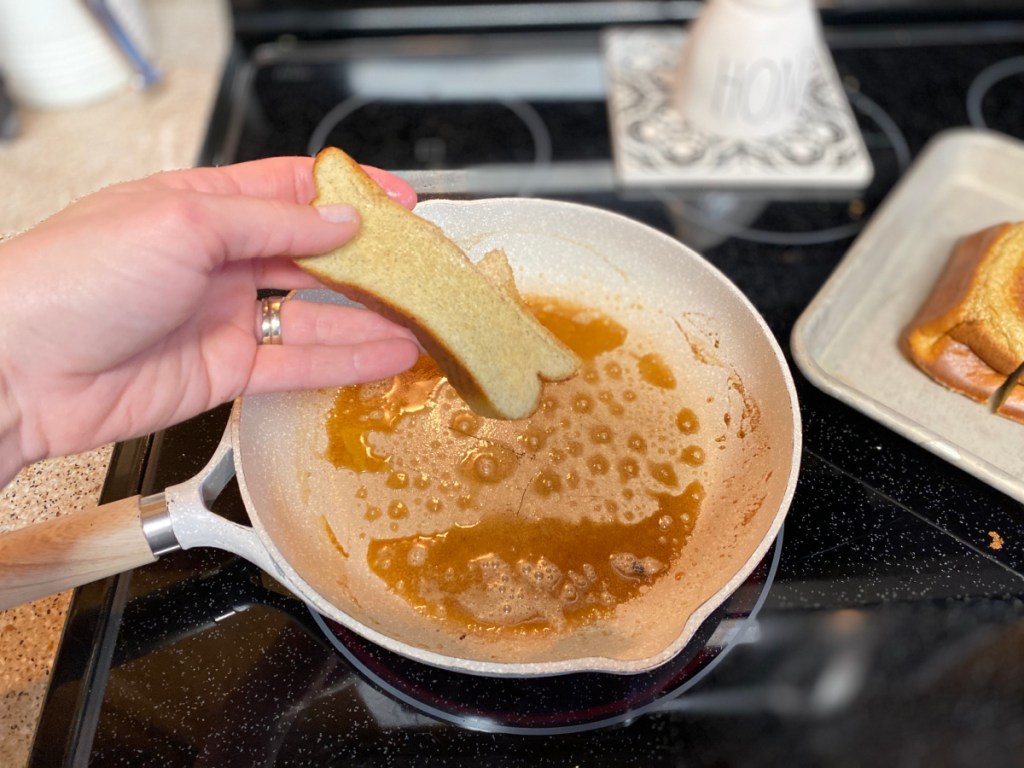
(60, 155)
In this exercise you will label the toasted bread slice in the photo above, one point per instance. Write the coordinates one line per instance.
(1012, 406)
(969, 334)
(492, 350)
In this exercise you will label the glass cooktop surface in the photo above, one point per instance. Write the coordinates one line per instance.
(881, 627)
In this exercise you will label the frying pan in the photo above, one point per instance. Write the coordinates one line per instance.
(734, 372)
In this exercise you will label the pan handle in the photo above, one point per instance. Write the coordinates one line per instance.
(190, 522)
(47, 558)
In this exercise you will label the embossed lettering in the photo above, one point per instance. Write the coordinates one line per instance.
(761, 90)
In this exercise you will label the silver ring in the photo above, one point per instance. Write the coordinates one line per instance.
(270, 322)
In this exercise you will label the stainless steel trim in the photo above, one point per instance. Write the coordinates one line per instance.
(491, 16)
(525, 179)
(156, 524)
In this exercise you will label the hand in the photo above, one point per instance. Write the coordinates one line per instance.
(135, 307)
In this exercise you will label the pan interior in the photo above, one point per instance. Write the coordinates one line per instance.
(317, 521)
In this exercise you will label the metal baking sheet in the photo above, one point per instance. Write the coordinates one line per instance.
(847, 340)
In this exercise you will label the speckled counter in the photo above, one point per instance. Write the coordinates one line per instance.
(60, 155)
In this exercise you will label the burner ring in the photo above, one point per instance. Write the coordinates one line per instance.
(866, 106)
(527, 114)
(613, 699)
(983, 83)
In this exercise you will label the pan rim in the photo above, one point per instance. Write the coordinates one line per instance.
(603, 664)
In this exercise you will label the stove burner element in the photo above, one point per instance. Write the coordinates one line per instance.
(431, 134)
(558, 704)
(719, 213)
(984, 82)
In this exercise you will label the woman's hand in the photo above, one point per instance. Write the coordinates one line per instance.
(135, 307)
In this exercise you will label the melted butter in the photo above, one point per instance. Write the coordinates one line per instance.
(687, 421)
(506, 571)
(488, 463)
(588, 334)
(377, 407)
(333, 538)
(535, 525)
(654, 371)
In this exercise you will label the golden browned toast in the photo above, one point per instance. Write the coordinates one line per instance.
(493, 351)
(969, 334)
(1012, 406)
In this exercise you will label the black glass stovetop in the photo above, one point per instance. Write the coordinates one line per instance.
(882, 628)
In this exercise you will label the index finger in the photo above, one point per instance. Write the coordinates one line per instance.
(282, 178)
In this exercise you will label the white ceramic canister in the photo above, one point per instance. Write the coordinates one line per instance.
(746, 65)
(56, 53)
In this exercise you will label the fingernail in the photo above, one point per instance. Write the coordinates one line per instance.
(338, 213)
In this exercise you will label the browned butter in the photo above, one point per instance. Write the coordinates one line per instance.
(551, 521)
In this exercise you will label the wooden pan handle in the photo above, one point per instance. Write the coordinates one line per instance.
(47, 558)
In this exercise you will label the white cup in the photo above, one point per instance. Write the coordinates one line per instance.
(55, 53)
(746, 66)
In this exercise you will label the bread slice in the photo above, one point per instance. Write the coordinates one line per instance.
(1012, 405)
(969, 333)
(492, 350)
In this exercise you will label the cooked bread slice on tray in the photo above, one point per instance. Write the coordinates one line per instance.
(969, 333)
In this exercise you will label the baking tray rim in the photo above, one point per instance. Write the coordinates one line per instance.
(803, 334)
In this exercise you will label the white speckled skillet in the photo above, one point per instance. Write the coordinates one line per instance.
(274, 444)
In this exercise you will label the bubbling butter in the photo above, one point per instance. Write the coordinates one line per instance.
(541, 524)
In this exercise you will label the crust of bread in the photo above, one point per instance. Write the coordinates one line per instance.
(1012, 406)
(969, 333)
(957, 367)
(472, 322)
